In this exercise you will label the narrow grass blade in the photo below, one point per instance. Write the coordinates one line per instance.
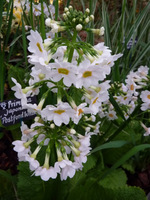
(106, 24)
(68, 3)
(31, 14)
(42, 22)
(116, 106)
(1, 11)
(2, 73)
(57, 9)
(24, 43)
(9, 25)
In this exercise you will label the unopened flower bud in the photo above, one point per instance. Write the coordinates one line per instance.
(68, 13)
(72, 131)
(87, 10)
(79, 27)
(65, 16)
(102, 29)
(66, 9)
(91, 17)
(87, 20)
(52, 126)
(48, 22)
(70, 7)
(74, 19)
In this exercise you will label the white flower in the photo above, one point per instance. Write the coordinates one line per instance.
(39, 54)
(19, 92)
(64, 70)
(79, 112)
(87, 74)
(143, 71)
(60, 114)
(68, 168)
(111, 115)
(145, 96)
(46, 174)
(147, 133)
(19, 146)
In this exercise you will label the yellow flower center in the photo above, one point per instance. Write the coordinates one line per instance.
(148, 96)
(80, 112)
(87, 74)
(111, 115)
(63, 71)
(59, 111)
(39, 46)
(125, 98)
(132, 87)
(95, 100)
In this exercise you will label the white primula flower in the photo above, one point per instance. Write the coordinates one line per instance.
(147, 133)
(64, 70)
(68, 168)
(19, 146)
(145, 96)
(46, 174)
(143, 72)
(87, 74)
(19, 92)
(111, 115)
(39, 54)
(80, 110)
(60, 114)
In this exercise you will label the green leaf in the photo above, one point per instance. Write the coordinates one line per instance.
(115, 179)
(29, 187)
(130, 193)
(91, 162)
(17, 73)
(109, 145)
(125, 157)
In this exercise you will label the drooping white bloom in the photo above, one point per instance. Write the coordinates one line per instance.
(19, 94)
(46, 174)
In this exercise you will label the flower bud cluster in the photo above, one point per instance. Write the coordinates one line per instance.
(77, 19)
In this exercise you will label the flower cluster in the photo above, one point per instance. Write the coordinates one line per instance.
(61, 131)
(133, 91)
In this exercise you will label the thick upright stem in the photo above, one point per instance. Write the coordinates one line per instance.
(72, 49)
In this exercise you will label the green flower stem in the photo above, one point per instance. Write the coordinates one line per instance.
(72, 49)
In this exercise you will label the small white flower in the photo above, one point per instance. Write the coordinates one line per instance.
(64, 70)
(111, 115)
(60, 114)
(19, 92)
